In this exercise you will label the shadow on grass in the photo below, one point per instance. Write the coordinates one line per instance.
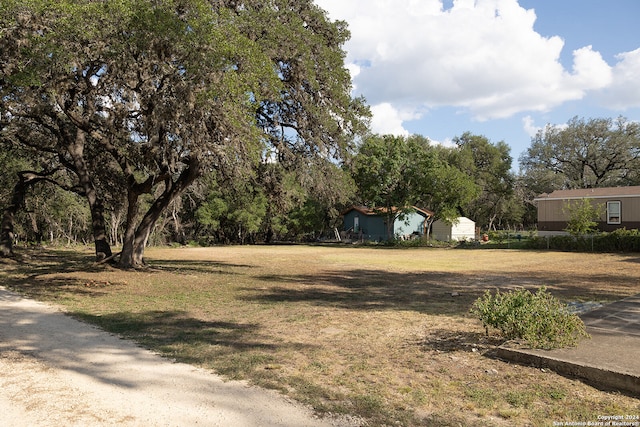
(37, 272)
(191, 267)
(371, 290)
(233, 349)
(436, 293)
(173, 327)
(40, 273)
(446, 340)
(40, 261)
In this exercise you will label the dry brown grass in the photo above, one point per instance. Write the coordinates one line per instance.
(367, 331)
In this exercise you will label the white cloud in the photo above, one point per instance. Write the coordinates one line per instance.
(448, 142)
(388, 120)
(354, 69)
(481, 55)
(624, 92)
(590, 71)
(532, 129)
(529, 127)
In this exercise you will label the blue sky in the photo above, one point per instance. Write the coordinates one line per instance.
(498, 68)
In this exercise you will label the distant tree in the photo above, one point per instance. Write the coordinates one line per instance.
(27, 183)
(524, 195)
(323, 204)
(13, 205)
(283, 192)
(529, 184)
(309, 221)
(232, 211)
(446, 189)
(270, 203)
(289, 190)
(489, 165)
(585, 154)
(393, 173)
(388, 176)
(13, 188)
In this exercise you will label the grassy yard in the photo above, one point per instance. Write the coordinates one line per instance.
(381, 333)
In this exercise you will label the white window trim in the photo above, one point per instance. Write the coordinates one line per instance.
(619, 221)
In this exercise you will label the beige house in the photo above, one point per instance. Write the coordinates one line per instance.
(620, 207)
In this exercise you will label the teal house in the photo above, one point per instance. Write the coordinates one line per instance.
(371, 224)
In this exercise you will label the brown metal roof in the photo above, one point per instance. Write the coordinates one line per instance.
(377, 211)
(594, 193)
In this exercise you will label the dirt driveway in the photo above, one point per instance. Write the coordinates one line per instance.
(57, 371)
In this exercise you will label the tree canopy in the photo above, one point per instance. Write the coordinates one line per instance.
(597, 152)
(489, 165)
(393, 173)
(144, 97)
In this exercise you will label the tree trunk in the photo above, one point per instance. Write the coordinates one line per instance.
(98, 223)
(427, 227)
(99, 228)
(35, 229)
(136, 241)
(6, 233)
(116, 219)
(491, 220)
(389, 222)
(8, 217)
(268, 233)
(25, 179)
(128, 240)
(177, 226)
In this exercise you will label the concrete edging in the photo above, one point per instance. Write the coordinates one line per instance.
(598, 377)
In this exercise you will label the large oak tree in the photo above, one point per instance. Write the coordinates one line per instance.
(589, 153)
(162, 92)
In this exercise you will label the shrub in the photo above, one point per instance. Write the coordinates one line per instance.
(621, 240)
(582, 216)
(539, 319)
(499, 236)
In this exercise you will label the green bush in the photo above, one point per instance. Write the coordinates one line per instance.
(582, 215)
(560, 242)
(621, 240)
(539, 319)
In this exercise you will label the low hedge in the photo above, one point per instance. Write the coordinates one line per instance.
(621, 240)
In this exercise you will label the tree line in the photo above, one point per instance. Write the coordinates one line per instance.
(127, 123)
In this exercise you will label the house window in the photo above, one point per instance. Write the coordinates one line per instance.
(356, 224)
(613, 213)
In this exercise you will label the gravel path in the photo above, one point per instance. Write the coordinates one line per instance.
(57, 371)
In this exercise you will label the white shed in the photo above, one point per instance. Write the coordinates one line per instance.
(463, 229)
